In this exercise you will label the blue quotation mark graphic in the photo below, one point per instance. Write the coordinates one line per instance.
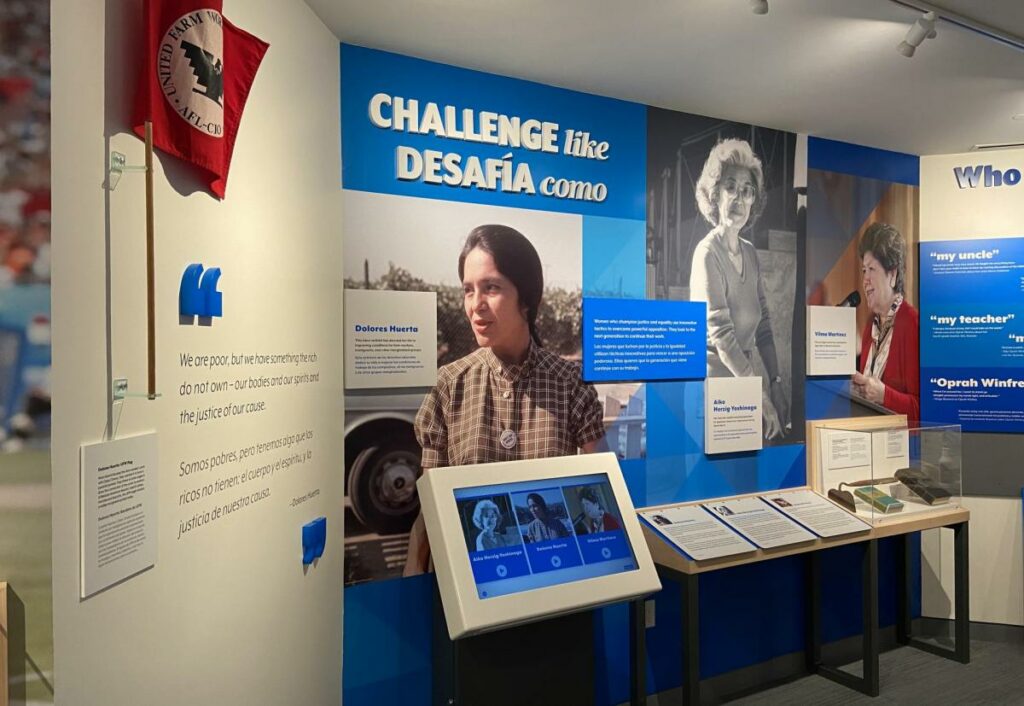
(314, 539)
(198, 295)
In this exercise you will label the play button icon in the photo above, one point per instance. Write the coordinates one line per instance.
(556, 561)
(501, 571)
(606, 553)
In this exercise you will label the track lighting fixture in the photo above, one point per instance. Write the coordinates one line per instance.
(922, 29)
(759, 7)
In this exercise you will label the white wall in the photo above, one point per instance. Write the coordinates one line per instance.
(951, 213)
(227, 615)
(997, 567)
(996, 572)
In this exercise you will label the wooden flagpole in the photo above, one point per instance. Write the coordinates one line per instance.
(4, 674)
(150, 268)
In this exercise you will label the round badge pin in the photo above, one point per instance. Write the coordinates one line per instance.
(507, 438)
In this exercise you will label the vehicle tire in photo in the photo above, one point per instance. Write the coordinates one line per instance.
(382, 484)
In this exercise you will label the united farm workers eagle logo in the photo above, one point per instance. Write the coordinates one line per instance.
(190, 70)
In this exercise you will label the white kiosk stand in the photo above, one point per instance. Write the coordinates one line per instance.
(527, 548)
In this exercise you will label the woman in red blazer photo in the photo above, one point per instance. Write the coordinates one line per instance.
(890, 360)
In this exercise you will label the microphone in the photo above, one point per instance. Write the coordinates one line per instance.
(852, 299)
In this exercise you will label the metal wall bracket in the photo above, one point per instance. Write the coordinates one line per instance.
(120, 389)
(121, 392)
(118, 166)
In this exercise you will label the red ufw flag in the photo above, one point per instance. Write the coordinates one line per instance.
(197, 72)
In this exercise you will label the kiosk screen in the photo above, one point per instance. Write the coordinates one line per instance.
(532, 534)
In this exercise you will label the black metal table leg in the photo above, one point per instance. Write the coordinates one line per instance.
(962, 627)
(903, 588)
(637, 652)
(813, 636)
(691, 641)
(868, 683)
(871, 646)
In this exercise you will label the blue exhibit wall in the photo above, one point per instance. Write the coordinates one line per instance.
(748, 614)
(867, 162)
(850, 187)
(755, 613)
(387, 650)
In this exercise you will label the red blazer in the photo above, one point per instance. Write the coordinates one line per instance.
(610, 523)
(902, 376)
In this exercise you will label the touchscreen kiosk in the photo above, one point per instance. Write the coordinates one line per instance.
(524, 540)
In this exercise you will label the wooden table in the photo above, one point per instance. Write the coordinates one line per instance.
(674, 565)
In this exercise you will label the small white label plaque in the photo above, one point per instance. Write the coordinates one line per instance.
(831, 340)
(119, 510)
(732, 415)
(390, 339)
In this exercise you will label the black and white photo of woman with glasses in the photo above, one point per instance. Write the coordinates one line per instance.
(726, 274)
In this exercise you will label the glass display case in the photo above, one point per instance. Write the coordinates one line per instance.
(887, 471)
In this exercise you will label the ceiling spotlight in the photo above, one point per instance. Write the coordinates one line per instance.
(922, 29)
(759, 7)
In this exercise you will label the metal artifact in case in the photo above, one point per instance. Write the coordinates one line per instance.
(883, 470)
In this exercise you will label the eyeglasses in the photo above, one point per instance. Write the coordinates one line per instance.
(747, 191)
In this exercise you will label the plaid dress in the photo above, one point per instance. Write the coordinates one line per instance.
(541, 406)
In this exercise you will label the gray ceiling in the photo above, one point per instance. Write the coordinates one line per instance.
(826, 67)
